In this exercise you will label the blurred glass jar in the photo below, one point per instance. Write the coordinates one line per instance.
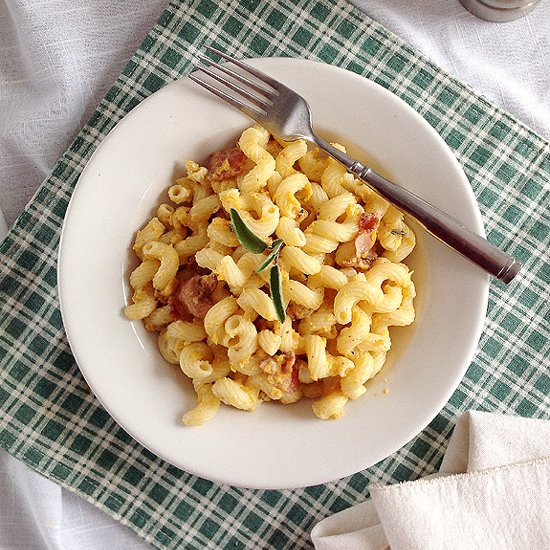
(499, 10)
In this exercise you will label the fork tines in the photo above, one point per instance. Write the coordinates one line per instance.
(252, 90)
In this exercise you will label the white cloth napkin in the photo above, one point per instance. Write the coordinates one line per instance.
(37, 514)
(492, 492)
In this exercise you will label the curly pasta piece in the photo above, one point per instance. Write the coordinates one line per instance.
(169, 263)
(329, 277)
(256, 300)
(269, 341)
(294, 257)
(303, 295)
(369, 289)
(144, 303)
(331, 406)
(314, 163)
(144, 273)
(185, 331)
(207, 406)
(266, 218)
(241, 340)
(352, 336)
(352, 383)
(318, 196)
(289, 231)
(235, 394)
(253, 142)
(191, 245)
(151, 232)
(334, 176)
(318, 365)
(216, 317)
(196, 360)
(333, 208)
(390, 232)
(285, 195)
(286, 159)
(408, 242)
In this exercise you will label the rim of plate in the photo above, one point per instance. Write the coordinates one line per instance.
(78, 329)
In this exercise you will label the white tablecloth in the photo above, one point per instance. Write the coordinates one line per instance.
(57, 60)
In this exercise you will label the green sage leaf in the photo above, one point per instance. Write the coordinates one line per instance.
(275, 249)
(245, 236)
(276, 287)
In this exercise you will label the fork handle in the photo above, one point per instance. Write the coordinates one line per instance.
(442, 226)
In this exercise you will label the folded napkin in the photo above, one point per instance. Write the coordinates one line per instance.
(50, 420)
(492, 492)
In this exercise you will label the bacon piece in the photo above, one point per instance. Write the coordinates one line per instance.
(289, 366)
(193, 296)
(226, 164)
(282, 371)
(364, 242)
(365, 239)
(368, 221)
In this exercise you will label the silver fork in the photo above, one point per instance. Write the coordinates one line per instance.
(287, 115)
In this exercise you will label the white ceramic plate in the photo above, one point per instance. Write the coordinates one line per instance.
(276, 446)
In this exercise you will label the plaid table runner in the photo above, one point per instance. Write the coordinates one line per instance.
(51, 421)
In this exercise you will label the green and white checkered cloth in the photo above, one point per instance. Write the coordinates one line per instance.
(51, 421)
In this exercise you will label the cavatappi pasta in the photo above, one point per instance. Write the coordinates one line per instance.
(343, 280)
